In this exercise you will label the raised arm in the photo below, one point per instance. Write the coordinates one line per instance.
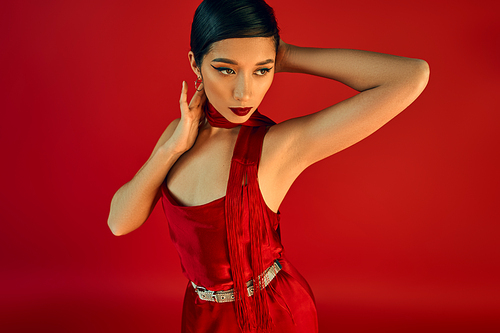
(387, 84)
(133, 202)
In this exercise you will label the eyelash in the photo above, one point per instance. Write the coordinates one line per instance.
(222, 69)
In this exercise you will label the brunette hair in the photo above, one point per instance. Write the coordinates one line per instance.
(215, 20)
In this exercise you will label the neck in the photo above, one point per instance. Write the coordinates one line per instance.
(214, 130)
(215, 119)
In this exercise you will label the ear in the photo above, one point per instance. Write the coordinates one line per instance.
(192, 62)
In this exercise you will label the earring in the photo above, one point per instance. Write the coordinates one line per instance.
(198, 81)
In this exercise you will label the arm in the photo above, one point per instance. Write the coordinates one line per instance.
(133, 202)
(387, 84)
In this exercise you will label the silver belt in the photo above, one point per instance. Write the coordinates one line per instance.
(224, 296)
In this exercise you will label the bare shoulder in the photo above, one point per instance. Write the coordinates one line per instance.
(280, 143)
(167, 133)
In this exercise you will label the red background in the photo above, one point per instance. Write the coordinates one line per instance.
(398, 233)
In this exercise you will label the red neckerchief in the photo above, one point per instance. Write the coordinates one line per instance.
(252, 313)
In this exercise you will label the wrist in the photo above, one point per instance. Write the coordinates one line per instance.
(282, 57)
(170, 151)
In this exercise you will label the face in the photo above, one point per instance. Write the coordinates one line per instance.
(237, 73)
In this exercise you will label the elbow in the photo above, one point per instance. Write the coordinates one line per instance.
(122, 225)
(422, 72)
(425, 67)
(415, 78)
(116, 228)
(116, 220)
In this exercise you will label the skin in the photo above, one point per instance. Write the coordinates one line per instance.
(239, 81)
(196, 161)
(201, 174)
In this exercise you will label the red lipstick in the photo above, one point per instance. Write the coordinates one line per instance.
(241, 111)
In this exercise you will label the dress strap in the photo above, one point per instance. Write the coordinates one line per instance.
(243, 199)
(248, 146)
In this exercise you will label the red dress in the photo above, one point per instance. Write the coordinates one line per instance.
(199, 235)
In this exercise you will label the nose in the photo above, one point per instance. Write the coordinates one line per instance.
(243, 88)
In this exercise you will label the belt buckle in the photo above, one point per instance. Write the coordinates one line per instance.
(208, 295)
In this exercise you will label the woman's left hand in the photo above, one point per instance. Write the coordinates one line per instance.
(282, 55)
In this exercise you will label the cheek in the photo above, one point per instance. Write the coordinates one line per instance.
(265, 85)
(214, 87)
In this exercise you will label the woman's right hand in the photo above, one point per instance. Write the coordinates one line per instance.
(186, 131)
(133, 202)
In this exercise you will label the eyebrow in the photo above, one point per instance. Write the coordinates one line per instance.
(232, 62)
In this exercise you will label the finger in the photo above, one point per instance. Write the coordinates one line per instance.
(183, 99)
(201, 99)
(198, 97)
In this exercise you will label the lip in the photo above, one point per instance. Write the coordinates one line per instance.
(241, 111)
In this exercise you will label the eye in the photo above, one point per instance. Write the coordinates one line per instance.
(224, 70)
(263, 71)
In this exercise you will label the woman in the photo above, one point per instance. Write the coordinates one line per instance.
(222, 169)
